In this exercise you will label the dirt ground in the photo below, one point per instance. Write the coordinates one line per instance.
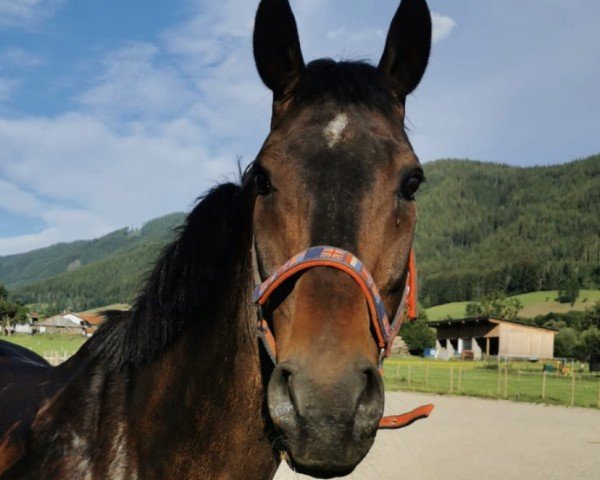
(468, 438)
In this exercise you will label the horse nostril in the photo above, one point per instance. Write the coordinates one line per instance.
(280, 397)
(373, 380)
(286, 377)
(285, 374)
(370, 404)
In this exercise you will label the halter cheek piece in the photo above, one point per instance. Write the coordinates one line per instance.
(384, 331)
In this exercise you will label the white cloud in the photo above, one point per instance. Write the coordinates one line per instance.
(19, 57)
(343, 36)
(159, 125)
(347, 35)
(119, 175)
(133, 84)
(15, 200)
(64, 226)
(26, 13)
(7, 86)
(442, 26)
(155, 128)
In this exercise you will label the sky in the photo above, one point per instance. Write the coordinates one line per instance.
(115, 112)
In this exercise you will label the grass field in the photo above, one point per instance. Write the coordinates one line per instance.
(43, 344)
(520, 381)
(534, 303)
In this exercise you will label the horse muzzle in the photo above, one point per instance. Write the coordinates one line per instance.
(328, 426)
(328, 402)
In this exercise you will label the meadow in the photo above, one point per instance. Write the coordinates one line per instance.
(534, 303)
(519, 381)
(44, 344)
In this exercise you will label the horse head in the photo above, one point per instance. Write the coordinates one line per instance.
(336, 169)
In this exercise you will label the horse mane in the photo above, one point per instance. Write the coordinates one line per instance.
(345, 82)
(189, 275)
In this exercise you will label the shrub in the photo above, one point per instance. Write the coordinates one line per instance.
(417, 335)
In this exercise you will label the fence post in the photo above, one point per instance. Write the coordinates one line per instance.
(572, 388)
(499, 380)
(451, 379)
(459, 379)
(427, 380)
(409, 370)
(543, 385)
(505, 382)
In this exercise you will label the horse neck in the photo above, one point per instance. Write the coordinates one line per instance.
(197, 411)
(205, 397)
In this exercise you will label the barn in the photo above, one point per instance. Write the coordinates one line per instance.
(484, 337)
(70, 323)
(59, 324)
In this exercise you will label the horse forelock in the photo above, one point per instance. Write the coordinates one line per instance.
(346, 83)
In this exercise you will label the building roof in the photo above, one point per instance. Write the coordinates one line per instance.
(475, 320)
(57, 321)
(91, 318)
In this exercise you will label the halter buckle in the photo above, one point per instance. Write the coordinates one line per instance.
(381, 358)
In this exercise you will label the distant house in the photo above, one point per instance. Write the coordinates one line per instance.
(482, 337)
(59, 324)
(23, 328)
(69, 323)
(91, 321)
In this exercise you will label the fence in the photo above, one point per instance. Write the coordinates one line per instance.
(515, 381)
(55, 358)
(510, 380)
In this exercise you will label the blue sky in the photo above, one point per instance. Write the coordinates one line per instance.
(115, 112)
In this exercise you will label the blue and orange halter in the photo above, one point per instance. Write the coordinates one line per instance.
(385, 332)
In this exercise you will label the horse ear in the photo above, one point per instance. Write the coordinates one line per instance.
(277, 50)
(407, 47)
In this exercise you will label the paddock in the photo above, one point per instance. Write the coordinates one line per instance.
(468, 438)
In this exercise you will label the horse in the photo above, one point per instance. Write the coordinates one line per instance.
(181, 386)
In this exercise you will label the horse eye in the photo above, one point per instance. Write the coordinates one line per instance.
(263, 184)
(412, 184)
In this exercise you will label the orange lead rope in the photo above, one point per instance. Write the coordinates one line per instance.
(405, 419)
(384, 330)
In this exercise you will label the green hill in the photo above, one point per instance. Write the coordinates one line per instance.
(109, 269)
(534, 304)
(27, 268)
(482, 227)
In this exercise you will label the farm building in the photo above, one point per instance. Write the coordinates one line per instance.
(70, 323)
(59, 324)
(482, 337)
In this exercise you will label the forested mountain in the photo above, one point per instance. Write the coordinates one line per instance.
(482, 227)
(485, 227)
(26, 268)
(114, 279)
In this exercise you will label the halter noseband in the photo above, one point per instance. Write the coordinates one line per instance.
(343, 260)
(384, 331)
